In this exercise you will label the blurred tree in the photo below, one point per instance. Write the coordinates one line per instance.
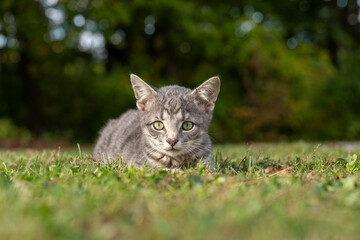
(65, 64)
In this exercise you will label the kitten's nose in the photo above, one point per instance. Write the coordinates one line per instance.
(172, 142)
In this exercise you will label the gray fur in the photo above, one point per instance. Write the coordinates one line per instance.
(134, 138)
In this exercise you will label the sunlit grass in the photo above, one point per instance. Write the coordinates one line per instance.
(261, 191)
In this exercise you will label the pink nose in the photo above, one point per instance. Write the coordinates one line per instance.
(172, 142)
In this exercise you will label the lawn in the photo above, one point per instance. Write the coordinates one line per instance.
(261, 191)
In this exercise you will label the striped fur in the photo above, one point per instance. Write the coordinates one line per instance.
(134, 138)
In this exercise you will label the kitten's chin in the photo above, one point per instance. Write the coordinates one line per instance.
(173, 152)
(174, 149)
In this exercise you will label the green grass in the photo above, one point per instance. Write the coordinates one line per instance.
(65, 195)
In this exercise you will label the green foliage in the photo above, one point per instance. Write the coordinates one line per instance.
(9, 130)
(66, 195)
(339, 111)
(353, 164)
(284, 67)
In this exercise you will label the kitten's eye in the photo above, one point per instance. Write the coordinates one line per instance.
(187, 126)
(158, 125)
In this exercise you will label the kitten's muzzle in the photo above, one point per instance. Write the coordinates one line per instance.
(172, 142)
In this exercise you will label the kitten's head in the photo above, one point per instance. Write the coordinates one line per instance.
(175, 119)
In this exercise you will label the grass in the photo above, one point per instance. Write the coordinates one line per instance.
(262, 191)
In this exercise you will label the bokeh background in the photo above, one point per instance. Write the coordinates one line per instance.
(289, 69)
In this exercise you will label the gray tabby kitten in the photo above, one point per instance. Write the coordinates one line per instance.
(168, 130)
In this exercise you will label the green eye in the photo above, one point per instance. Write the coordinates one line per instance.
(158, 125)
(187, 126)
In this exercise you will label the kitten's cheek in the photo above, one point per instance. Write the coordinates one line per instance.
(179, 146)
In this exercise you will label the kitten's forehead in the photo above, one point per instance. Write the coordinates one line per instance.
(172, 100)
(175, 103)
(175, 116)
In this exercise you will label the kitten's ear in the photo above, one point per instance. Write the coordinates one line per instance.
(207, 93)
(144, 94)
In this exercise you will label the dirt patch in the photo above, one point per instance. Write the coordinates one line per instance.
(279, 170)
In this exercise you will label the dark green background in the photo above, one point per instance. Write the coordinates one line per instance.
(289, 69)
